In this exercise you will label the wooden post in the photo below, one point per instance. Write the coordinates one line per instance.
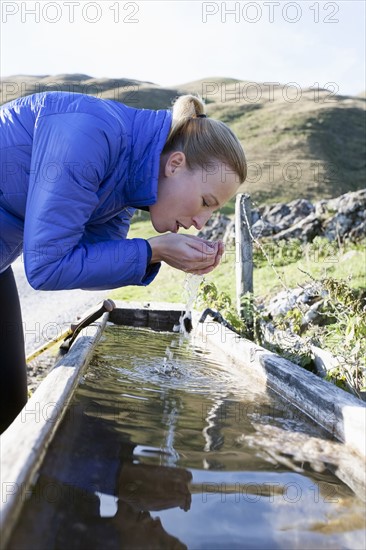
(244, 254)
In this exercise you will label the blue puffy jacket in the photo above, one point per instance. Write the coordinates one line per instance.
(72, 166)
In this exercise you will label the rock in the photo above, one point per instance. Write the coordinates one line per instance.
(347, 203)
(320, 208)
(299, 209)
(262, 228)
(351, 202)
(312, 315)
(337, 226)
(286, 300)
(282, 216)
(305, 230)
(332, 205)
(357, 232)
(275, 213)
(283, 302)
(256, 215)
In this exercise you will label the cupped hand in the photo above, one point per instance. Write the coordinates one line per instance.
(188, 253)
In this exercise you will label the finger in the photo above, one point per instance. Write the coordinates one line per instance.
(203, 242)
(209, 244)
(217, 260)
(219, 254)
(203, 252)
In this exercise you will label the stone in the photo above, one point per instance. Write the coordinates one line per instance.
(357, 232)
(262, 228)
(305, 230)
(299, 209)
(351, 202)
(286, 300)
(337, 226)
(275, 213)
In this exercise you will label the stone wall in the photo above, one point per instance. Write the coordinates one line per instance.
(339, 218)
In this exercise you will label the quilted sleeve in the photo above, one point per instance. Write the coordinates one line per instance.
(72, 153)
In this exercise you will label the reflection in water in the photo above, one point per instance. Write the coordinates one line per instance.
(190, 457)
(211, 431)
(169, 418)
(77, 479)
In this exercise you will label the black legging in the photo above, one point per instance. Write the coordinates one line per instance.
(13, 372)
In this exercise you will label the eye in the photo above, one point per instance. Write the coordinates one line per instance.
(204, 203)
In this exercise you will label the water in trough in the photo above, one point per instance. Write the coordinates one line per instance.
(179, 452)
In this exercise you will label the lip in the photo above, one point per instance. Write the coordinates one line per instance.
(181, 225)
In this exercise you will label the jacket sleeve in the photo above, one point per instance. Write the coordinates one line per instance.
(117, 228)
(72, 154)
(113, 229)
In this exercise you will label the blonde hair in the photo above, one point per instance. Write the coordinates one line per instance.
(202, 139)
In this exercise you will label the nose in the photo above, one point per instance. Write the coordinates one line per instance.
(201, 220)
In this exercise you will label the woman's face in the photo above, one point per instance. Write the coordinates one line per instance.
(186, 197)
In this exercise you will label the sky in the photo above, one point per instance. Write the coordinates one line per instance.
(310, 43)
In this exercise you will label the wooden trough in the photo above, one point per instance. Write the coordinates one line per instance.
(24, 444)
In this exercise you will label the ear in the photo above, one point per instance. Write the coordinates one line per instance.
(175, 162)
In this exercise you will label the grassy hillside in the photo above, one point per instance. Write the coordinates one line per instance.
(299, 143)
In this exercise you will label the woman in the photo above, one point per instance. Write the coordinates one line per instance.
(73, 169)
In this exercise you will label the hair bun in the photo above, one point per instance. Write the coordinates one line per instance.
(188, 106)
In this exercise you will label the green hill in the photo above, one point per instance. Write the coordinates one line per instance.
(299, 143)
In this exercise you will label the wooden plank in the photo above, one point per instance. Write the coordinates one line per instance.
(323, 360)
(159, 316)
(25, 442)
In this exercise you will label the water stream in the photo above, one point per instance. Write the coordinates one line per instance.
(190, 287)
(195, 456)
